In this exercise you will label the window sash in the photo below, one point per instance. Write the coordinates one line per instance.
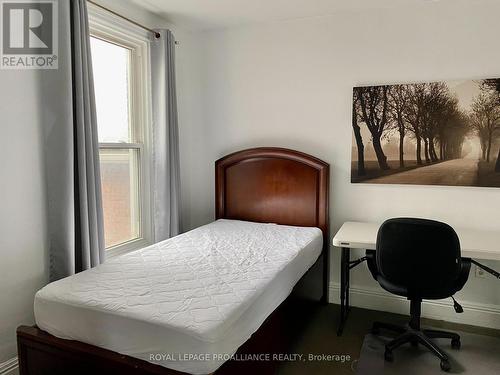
(139, 186)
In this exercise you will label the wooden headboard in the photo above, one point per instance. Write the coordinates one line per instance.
(273, 185)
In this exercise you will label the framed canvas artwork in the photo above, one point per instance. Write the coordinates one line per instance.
(438, 133)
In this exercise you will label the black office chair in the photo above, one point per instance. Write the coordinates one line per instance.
(418, 259)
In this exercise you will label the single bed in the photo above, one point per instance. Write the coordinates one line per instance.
(188, 304)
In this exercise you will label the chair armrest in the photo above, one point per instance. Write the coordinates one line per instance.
(463, 275)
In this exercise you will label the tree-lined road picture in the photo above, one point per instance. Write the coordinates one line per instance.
(439, 133)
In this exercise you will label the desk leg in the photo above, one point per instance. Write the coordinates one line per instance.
(344, 288)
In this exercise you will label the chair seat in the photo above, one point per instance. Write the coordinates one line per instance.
(439, 293)
(392, 288)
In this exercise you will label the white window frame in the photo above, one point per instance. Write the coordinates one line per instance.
(107, 26)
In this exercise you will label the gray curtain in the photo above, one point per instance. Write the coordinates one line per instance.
(75, 218)
(166, 169)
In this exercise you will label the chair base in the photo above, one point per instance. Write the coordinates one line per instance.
(415, 336)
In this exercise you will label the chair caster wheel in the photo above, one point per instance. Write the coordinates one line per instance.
(445, 365)
(455, 344)
(388, 356)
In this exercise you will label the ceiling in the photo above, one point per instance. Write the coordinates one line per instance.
(211, 14)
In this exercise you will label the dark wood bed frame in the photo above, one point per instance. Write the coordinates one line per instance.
(263, 185)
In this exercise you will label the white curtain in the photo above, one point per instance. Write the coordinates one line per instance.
(166, 170)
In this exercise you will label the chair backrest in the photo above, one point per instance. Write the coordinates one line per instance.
(418, 254)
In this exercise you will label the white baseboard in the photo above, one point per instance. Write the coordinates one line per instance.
(9, 367)
(476, 314)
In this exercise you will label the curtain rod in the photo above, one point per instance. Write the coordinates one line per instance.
(154, 32)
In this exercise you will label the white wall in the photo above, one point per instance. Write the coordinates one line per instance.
(22, 226)
(29, 107)
(289, 84)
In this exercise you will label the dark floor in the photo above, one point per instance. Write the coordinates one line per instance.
(319, 336)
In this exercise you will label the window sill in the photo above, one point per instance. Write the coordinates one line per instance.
(126, 247)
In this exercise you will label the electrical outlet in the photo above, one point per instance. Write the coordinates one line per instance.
(480, 273)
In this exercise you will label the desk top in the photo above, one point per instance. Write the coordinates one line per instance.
(474, 244)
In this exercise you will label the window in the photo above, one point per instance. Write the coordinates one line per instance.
(120, 57)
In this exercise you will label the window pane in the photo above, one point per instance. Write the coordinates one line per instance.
(120, 190)
(110, 64)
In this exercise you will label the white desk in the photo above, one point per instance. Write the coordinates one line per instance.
(358, 235)
(474, 244)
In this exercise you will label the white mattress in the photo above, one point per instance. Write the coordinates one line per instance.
(186, 303)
